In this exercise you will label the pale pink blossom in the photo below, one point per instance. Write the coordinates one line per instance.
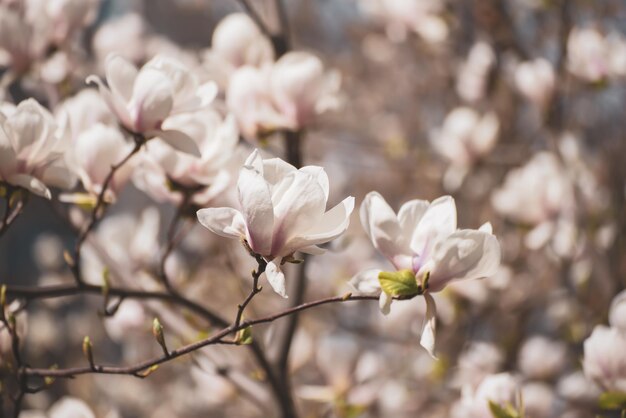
(283, 210)
(474, 72)
(605, 358)
(536, 81)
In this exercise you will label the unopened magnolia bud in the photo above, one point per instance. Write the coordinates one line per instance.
(157, 331)
(244, 336)
(68, 258)
(88, 352)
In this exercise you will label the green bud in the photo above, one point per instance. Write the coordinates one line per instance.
(506, 411)
(398, 283)
(612, 400)
(244, 336)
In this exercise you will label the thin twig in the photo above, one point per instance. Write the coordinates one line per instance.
(99, 207)
(10, 213)
(256, 274)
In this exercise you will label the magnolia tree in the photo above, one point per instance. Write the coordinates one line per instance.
(423, 217)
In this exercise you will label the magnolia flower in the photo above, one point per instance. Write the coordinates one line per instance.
(402, 16)
(594, 57)
(539, 194)
(68, 16)
(542, 358)
(464, 137)
(93, 154)
(165, 171)
(501, 389)
(423, 243)
(32, 150)
(68, 407)
(605, 358)
(536, 81)
(283, 210)
(122, 35)
(23, 37)
(288, 95)
(301, 89)
(143, 99)
(617, 313)
(82, 111)
(474, 73)
(237, 41)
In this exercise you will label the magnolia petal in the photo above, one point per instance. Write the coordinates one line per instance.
(428, 331)
(466, 254)
(57, 174)
(331, 225)
(31, 184)
(381, 225)
(439, 220)
(180, 141)
(275, 169)
(320, 174)
(207, 93)
(120, 75)
(276, 278)
(152, 100)
(312, 249)
(115, 103)
(226, 222)
(27, 129)
(256, 202)
(255, 161)
(7, 155)
(486, 228)
(366, 282)
(384, 303)
(409, 217)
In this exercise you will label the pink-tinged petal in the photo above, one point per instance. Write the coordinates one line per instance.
(409, 217)
(366, 282)
(31, 184)
(466, 254)
(152, 100)
(7, 155)
(275, 169)
(226, 222)
(439, 221)
(332, 224)
(27, 129)
(256, 203)
(179, 141)
(381, 225)
(428, 331)
(302, 204)
(276, 278)
(121, 76)
(320, 174)
(115, 103)
(384, 303)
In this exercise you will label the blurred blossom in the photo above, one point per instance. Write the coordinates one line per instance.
(237, 41)
(539, 194)
(536, 81)
(48, 251)
(82, 111)
(143, 99)
(605, 358)
(93, 154)
(288, 95)
(423, 239)
(403, 16)
(23, 36)
(617, 313)
(575, 387)
(68, 407)
(542, 358)
(476, 362)
(32, 150)
(165, 169)
(130, 318)
(6, 342)
(464, 137)
(283, 210)
(123, 36)
(539, 400)
(474, 72)
(68, 16)
(595, 57)
(502, 389)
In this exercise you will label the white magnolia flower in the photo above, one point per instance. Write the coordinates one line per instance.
(423, 239)
(288, 95)
(206, 175)
(536, 81)
(23, 37)
(617, 313)
(143, 99)
(237, 41)
(283, 210)
(542, 358)
(605, 358)
(32, 150)
(301, 89)
(474, 73)
(122, 35)
(595, 57)
(68, 16)
(501, 389)
(68, 407)
(93, 154)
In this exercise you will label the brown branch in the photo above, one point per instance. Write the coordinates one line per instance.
(218, 338)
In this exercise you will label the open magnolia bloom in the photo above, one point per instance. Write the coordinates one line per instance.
(32, 151)
(426, 249)
(143, 99)
(283, 210)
